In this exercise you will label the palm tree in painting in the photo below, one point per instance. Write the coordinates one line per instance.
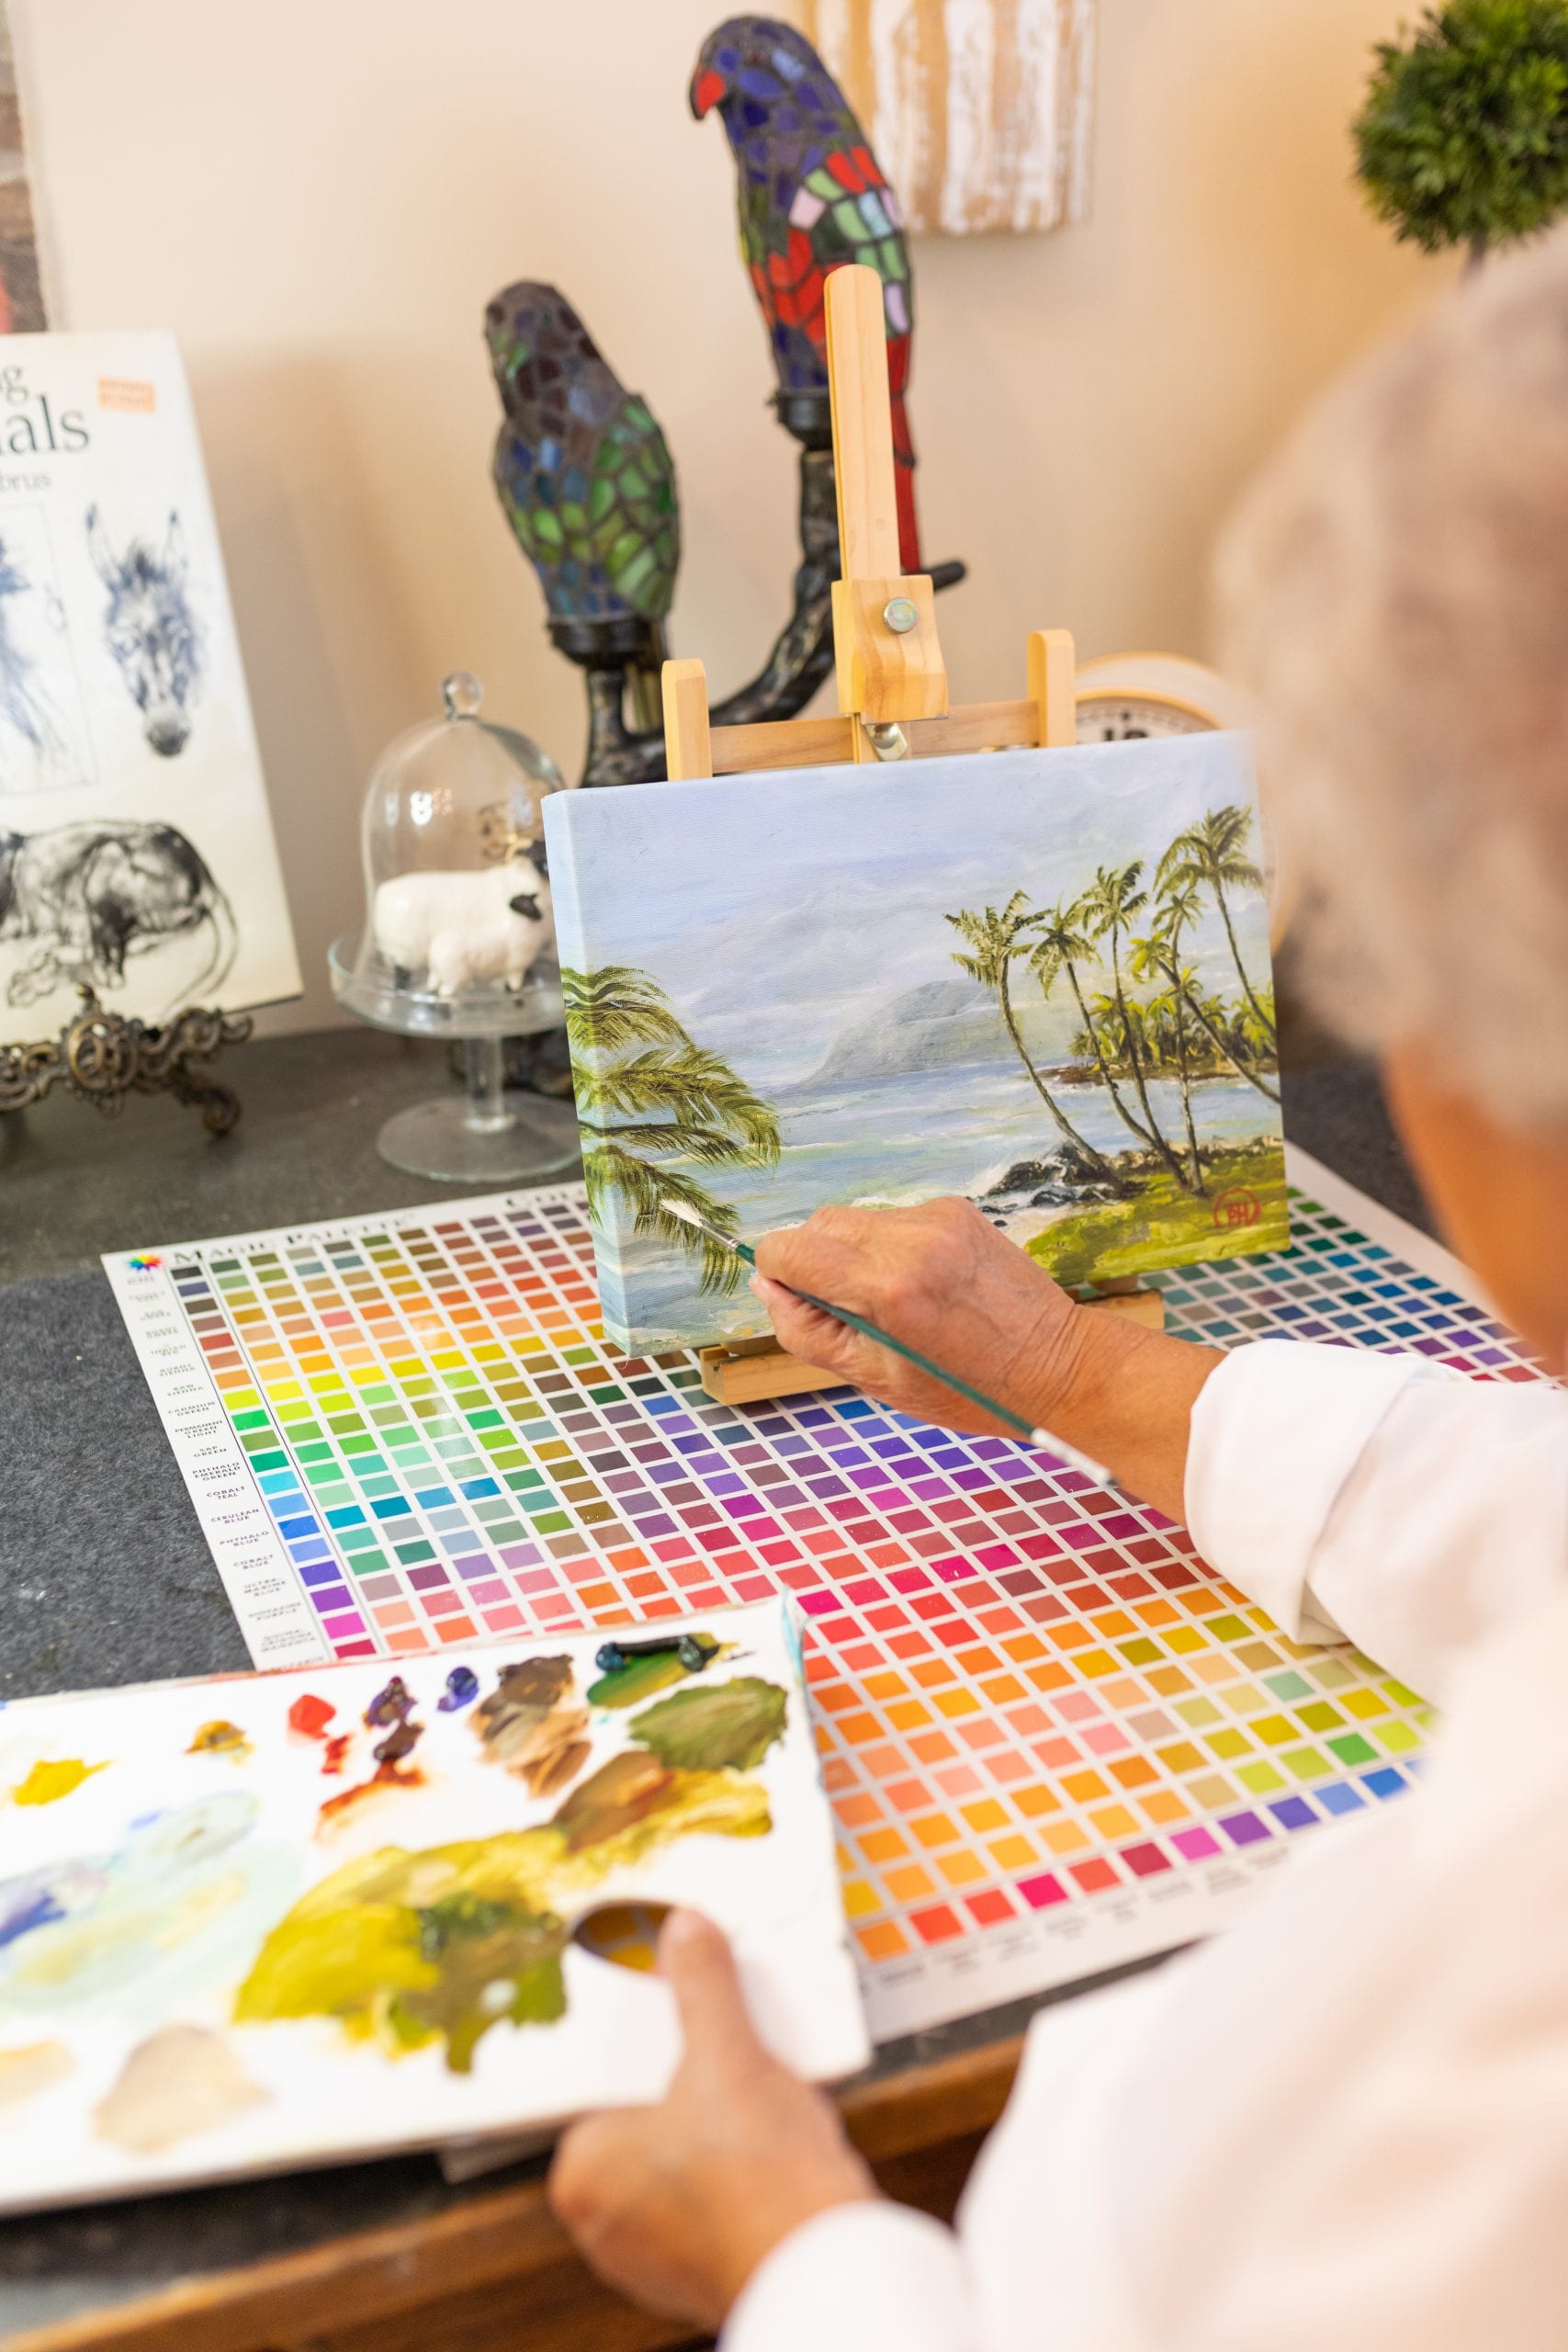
(1181, 896)
(648, 1099)
(996, 939)
(1113, 898)
(1060, 942)
(1212, 855)
(1217, 1020)
(1155, 955)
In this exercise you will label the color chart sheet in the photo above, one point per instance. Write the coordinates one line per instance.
(1053, 1739)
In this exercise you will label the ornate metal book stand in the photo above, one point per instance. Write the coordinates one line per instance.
(103, 1057)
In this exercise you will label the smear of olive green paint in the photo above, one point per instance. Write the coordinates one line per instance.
(720, 1726)
(47, 1783)
(407, 1948)
(413, 1948)
(35, 2067)
(180, 2081)
(634, 1805)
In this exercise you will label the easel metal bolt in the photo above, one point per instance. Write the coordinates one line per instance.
(887, 739)
(900, 614)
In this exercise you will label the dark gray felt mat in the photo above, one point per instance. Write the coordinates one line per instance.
(105, 1576)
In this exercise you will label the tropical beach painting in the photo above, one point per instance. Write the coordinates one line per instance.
(1037, 979)
(288, 1918)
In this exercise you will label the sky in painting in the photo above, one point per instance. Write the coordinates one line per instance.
(775, 909)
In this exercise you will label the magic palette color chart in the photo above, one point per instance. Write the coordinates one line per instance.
(1053, 1739)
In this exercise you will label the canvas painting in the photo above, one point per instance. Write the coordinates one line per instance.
(136, 847)
(1037, 979)
(288, 1918)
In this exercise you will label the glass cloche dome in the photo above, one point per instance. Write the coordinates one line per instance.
(458, 940)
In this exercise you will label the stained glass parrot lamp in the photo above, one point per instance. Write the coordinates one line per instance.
(584, 474)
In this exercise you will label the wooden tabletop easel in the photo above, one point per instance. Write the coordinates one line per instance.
(893, 701)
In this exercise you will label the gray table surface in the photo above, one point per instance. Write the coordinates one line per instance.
(104, 1576)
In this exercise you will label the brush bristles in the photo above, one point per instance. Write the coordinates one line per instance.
(680, 1208)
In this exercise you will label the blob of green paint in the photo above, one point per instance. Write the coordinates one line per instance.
(437, 1946)
(719, 1726)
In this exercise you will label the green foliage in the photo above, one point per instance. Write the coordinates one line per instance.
(1167, 1223)
(1463, 135)
(648, 1099)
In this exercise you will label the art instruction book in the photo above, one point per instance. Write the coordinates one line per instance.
(136, 847)
(1037, 979)
(288, 1919)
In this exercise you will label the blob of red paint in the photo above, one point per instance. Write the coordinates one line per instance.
(310, 1716)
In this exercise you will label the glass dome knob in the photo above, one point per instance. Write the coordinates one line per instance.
(462, 694)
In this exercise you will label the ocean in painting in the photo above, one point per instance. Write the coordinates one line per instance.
(1039, 979)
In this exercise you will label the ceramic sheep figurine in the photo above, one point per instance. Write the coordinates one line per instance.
(486, 926)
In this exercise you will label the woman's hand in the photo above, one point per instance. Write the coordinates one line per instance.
(677, 2204)
(944, 1280)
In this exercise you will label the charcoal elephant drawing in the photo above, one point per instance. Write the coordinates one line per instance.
(86, 899)
(151, 628)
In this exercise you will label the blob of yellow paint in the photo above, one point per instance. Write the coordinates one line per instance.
(48, 1782)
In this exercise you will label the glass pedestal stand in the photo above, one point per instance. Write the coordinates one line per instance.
(478, 1137)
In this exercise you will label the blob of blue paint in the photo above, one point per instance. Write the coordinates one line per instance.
(462, 1689)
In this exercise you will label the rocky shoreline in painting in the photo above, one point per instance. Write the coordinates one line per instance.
(1064, 1179)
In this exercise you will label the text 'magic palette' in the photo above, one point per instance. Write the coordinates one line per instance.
(1053, 1741)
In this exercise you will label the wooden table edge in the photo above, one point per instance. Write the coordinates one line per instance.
(509, 2233)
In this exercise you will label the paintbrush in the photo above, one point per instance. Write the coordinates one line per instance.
(1066, 1453)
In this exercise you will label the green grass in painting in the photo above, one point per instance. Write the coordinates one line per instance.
(1165, 1227)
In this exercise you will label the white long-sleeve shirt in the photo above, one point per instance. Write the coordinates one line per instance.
(1343, 2126)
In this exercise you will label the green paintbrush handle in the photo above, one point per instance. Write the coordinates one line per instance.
(922, 1363)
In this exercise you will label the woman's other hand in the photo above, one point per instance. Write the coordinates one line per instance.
(677, 2204)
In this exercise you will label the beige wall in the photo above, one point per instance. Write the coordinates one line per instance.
(319, 195)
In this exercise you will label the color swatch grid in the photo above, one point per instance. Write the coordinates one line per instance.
(1053, 1739)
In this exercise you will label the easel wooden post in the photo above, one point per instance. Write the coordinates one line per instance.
(892, 699)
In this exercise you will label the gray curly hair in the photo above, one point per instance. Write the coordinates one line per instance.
(1394, 594)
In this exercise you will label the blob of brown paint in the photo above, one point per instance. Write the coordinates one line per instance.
(533, 1724)
(335, 1753)
(626, 1934)
(48, 1782)
(34, 2066)
(624, 1790)
(219, 1738)
(178, 2082)
(385, 1778)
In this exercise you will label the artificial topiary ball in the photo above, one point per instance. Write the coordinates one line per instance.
(1463, 137)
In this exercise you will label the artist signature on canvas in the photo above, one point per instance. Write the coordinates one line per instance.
(1237, 1205)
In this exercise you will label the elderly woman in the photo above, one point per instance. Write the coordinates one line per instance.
(1344, 2124)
